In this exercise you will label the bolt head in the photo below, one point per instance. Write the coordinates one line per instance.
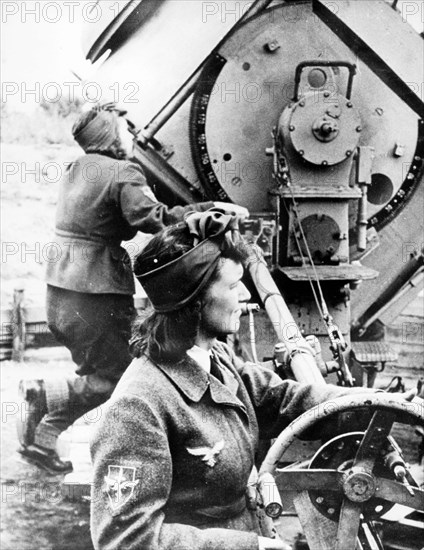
(348, 153)
(301, 152)
(291, 128)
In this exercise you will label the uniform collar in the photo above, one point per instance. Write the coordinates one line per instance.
(188, 376)
(193, 381)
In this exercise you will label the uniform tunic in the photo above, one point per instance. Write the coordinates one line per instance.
(102, 202)
(173, 452)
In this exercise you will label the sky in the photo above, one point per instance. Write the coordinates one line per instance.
(41, 47)
(41, 44)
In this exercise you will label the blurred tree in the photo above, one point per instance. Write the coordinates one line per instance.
(63, 107)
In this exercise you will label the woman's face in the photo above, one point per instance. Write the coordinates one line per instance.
(126, 138)
(222, 304)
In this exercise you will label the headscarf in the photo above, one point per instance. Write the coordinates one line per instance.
(101, 133)
(173, 285)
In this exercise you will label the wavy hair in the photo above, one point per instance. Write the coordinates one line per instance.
(165, 337)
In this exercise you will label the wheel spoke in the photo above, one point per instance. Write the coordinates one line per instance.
(300, 480)
(349, 522)
(393, 491)
(368, 537)
(375, 436)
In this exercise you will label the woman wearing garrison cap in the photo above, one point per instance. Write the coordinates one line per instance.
(177, 440)
(104, 199)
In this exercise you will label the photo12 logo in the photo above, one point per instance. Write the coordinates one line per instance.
(54, 12)
(53, 92)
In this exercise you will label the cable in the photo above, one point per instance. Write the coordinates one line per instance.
(252, 335)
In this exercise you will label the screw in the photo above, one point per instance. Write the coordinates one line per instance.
(348, 153)
(359, 128)
(324, 163)
(349, 104)
(272, 46)
(319, 500)
(330, 511)
(301, 152)
(341, 444)
(291, 128)
(325, 456)
(326, 94)
(302, 104)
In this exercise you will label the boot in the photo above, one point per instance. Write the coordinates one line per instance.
(46, 459)
(34, 406)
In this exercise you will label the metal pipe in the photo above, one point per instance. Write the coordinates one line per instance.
(162, 173)
(303, 365)
(384, 299)
(184, 92)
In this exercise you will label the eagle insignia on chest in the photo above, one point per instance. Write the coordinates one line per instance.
(208, 454)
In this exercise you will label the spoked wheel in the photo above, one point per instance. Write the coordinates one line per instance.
(354, 478)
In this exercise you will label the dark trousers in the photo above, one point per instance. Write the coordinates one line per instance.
(96, 328)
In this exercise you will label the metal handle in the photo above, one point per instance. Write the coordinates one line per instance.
(350, 66)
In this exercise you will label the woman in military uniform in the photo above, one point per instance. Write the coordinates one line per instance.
(177, 442)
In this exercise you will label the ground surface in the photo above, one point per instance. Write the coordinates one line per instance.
(34, 516)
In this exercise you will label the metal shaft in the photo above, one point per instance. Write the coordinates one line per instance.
(302, 364)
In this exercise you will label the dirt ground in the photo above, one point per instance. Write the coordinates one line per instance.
(34, 515)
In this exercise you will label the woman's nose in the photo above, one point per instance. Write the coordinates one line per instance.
(244, 294)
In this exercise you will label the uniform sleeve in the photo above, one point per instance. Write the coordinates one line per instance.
(278, 402)
(140, 207)
(132, 482)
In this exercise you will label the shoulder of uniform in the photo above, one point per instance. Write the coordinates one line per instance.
(141, 380)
